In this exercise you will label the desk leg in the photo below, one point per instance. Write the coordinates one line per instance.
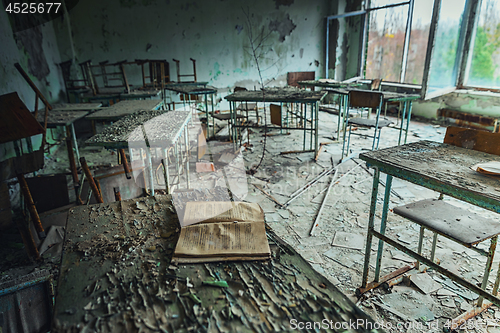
(341, 98)
(346, 120)
(376, 125)
(186, 144)
(150, 171)
(402, 123)
(305, 127)
(408, 119)
(75, 143)
(164, 162)
(489, 263)
(383, 224)
(316, 129)
(371, 223)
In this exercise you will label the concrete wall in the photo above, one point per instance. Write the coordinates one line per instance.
(215, 33)
(37, 52)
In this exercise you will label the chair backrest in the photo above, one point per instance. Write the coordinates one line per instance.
(475, 139)
(364, 98)
(292, 78)
(376, 84)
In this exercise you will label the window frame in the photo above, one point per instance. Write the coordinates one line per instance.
(364, 43)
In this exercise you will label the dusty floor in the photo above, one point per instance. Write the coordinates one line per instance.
(336, 249)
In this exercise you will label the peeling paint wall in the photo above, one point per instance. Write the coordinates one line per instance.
(215, 33)
(36, 50)
(473, 102)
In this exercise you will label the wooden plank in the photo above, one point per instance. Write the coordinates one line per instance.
(61, 118)
(17, 121)
(275, 114)
(277, 95)
(124, 108)
(74, 107)
(292, 78)
(365, 98)
(486, 142)
(115, 270)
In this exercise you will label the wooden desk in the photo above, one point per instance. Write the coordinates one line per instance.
(439, 167)
(327, 84)
(164, 130)
(139, 94)
(306, 110)
(115, 274)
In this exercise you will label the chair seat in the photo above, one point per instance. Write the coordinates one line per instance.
(225, 116)
(450, 221)
(363, 122)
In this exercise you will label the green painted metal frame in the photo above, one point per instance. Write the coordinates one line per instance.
(413, 177)
(301, 103)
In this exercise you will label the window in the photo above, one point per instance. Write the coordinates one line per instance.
(397, 40)
(421, 23)
(442, 61)
(484, 70)
(386, 39)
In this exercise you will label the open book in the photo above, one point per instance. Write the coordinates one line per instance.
(222, 231)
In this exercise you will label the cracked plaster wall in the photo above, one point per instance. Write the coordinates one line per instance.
(473, 102)
(37, 52)
(215, 33)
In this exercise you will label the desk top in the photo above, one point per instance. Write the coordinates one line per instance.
(123, 108)
(327, 83)
(116, 135)
(441, 167)
(115, 273)
(388, 96)
(60, 118)
(278, 95)
(162, 129)
(140, 93)
(182, 84)
(192, 89)
(74, 107)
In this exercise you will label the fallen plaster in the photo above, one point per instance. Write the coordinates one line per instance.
(332, 250)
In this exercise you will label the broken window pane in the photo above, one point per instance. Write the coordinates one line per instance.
(386, 39)
(484, 70)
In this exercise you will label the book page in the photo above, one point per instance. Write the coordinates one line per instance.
(221, 211)
(223, 239)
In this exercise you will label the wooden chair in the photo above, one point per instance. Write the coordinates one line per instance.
(179, 75)
(72, 85)
(454, 223)
(365, 99)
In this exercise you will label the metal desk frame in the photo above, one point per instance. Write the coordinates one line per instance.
(405, 99)
(482, 200)
(304, 108)
(187, 89)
